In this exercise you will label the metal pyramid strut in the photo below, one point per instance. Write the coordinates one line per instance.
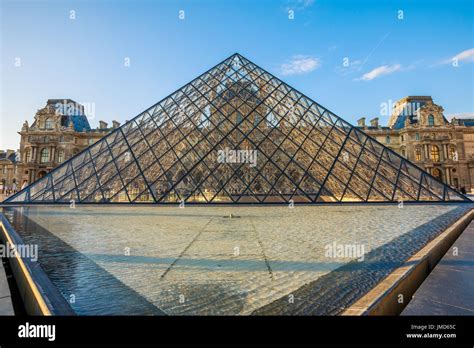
(236, 134)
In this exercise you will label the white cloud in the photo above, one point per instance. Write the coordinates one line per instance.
(300, 65)
(461, 115)
(464, 56)
(380, 71)
(349, 68)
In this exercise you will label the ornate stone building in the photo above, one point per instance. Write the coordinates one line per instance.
(8, 173)
(59, 131)
(419, 131)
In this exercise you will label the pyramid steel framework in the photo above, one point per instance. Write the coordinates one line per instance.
(236, 134)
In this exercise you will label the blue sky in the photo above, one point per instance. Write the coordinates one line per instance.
(349, 56)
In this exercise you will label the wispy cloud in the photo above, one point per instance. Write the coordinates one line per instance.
(464, 56)
(380, 71)
(351, 67)
(300, 64)
(299, 4)
(461, 115)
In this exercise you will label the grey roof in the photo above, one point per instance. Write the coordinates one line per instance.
(71, 112)
(11, 157)
(468, 122)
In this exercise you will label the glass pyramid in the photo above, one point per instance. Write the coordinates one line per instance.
(236, 134)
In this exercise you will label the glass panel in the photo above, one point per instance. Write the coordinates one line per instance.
(236, 134)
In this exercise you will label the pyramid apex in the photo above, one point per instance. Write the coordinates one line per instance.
(237, 54)
(236, 102)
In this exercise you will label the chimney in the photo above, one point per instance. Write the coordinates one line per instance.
(115, 124)
(374, 122)
(102, 125)
(361, 122)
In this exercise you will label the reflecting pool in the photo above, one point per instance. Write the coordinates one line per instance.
(216, 260)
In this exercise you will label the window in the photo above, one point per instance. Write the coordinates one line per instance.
(28, 155)
(434, 153)
(452, 153)
(44, 155)
(431, 122)
(403, 138)
(403, 152)
(61, 156)
(49, 123)
(418, 154)
(387, 139)
(417, 136)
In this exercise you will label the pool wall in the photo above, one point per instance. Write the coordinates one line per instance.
(39, 295)
(384, 299)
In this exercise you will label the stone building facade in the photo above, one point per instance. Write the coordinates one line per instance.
(59, 131)
(419, 131)
(8, 172)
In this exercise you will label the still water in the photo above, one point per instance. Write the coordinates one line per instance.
(151, 260)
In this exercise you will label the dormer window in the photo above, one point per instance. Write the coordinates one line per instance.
(48, 124)
(431, 121)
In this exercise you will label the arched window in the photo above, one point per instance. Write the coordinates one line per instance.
(28, 155)
(404, 152)
(48, 123)
(434, 153)
(431, 122)
(44, 155)
(61, 156)
(418, 154)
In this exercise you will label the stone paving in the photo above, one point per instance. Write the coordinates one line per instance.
(198, 260)
(449, 289)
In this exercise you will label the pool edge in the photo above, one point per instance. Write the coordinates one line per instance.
(394, 292)
(40, 296)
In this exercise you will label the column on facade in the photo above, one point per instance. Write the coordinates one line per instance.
(33, 155)
(427, 153)
(445, 151)
(52, 153)
(448, 176)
